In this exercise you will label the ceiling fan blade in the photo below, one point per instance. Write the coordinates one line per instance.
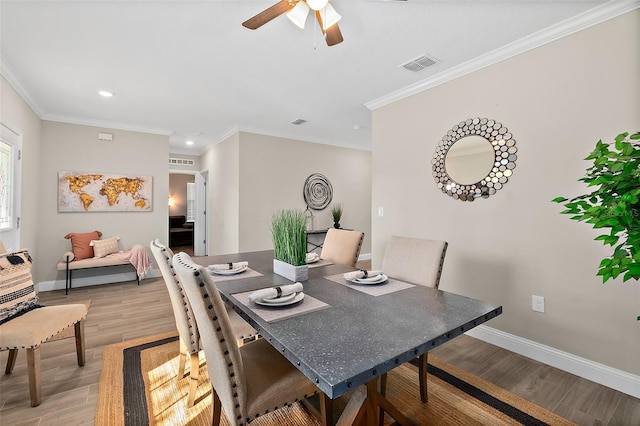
(332, 34)
(268, 14)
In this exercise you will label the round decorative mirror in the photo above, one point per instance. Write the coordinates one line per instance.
(474, 159)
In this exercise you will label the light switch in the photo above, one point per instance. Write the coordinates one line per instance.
(380, 211)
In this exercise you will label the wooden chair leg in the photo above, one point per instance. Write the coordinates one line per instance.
(193, 376)
(33, 367)
(79, 332)
(217, 409)
(383, 392)
(422, 376)
(326, 410)
(182, 360)
(11, 361)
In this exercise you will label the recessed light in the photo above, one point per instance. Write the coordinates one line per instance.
(105, 93)
(357, 127)
(189, 142)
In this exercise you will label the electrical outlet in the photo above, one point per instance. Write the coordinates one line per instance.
(537, 303)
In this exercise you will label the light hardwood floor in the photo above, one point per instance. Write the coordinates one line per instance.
(125, 311)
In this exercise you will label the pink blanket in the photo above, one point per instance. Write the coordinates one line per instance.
(139, 258)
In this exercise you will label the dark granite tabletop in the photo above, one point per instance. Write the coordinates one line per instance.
(360, 336)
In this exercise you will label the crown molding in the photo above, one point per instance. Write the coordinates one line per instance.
(16, 83)
(107, 124)
(572, 25)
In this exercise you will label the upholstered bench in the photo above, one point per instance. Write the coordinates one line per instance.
(69, 265)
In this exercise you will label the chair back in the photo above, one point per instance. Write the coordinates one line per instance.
(185, 321)
(415, 260)
(224, 362)
(342, 246)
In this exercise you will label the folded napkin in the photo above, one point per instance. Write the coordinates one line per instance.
(311, 257)
(230, 265)
(361, 274)
(273, 292)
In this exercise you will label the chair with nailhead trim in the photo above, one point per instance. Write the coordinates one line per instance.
(247, 381)
(416, 261)
(25, 324)
(185, 321)
(342, 246)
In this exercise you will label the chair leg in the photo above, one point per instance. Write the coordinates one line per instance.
(193, 375)
(422, 376)
(79, 331)
(11, 361)
(182, 360)
(326, 410)
(33, 367)
(217, 409)
(383, 392)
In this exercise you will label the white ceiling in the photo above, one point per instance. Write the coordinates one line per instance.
(185, 68)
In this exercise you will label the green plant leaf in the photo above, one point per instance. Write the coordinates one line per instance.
(559, 200)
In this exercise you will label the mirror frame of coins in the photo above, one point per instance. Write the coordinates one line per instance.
(504, 147)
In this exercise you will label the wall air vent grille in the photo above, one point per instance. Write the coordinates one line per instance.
(419, 63)
(181, 162)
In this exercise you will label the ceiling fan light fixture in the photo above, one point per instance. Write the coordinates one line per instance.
(298, 15)
(317, 4)
(329, 17)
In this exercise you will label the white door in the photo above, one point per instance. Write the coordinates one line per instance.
(10, 173)
(200, 237)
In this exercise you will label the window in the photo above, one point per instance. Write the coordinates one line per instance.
(6, 186)
(191, 202)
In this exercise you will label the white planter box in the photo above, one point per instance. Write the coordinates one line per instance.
(290, 272)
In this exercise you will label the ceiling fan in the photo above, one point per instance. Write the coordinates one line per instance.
(297, 11)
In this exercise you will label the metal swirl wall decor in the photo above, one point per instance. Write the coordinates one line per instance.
(500, 147)
(317, 192)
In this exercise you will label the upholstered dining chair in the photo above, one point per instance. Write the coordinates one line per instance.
(416, 261)
(342, 246)
(247, 381)
(25, 324)
(185, 320)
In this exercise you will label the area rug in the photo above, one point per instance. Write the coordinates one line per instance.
(138, 386)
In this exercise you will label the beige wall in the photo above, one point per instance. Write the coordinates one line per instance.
(223, 163)
(272, 175)
(77, 148)
(251, 176)
(557, 101)
(178, 191)
(15, 113)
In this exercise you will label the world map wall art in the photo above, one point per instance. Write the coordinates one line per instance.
(101, 192)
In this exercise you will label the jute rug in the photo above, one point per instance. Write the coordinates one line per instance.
(138, 386)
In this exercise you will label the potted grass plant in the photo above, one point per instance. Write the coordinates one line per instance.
(289, 233)
(336, 215)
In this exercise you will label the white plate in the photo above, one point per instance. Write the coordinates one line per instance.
(229, 271)
(298, 297)
(278, 300)
(313, 260)
(371, 280)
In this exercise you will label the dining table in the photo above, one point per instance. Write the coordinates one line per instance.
(345, 336)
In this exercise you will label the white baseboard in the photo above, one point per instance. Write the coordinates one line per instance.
(590, 370)
(366, 256)
(93, 280)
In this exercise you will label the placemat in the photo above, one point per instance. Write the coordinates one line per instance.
(320, 262)
(279, 313)
(249, 273)
(392, 285)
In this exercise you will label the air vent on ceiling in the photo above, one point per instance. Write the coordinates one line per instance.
(181, 161)
(419, 63)
(298, 121)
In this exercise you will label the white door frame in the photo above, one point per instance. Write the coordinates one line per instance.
(11, 135)
(201, 228)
